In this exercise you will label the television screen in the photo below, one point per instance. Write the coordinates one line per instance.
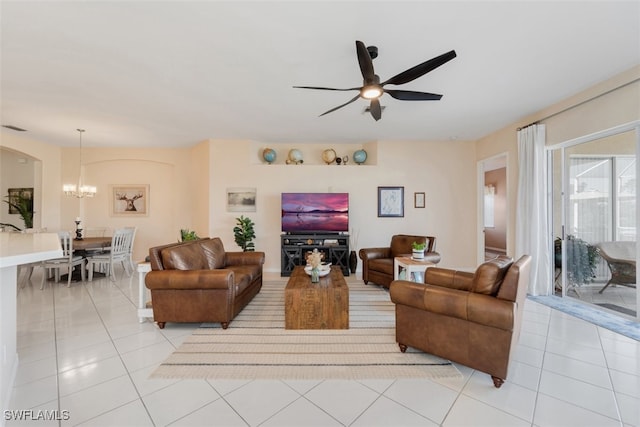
(315, 212)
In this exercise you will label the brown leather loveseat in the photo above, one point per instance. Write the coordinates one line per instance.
(198, 281)
(377, 263)
(469, 318)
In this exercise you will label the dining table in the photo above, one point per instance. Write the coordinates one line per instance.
(82, 247)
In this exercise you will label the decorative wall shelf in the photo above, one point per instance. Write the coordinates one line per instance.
(312, 154)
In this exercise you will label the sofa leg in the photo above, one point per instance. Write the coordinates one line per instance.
(497, 382)
(366, 282)
(225, 325)
(161, 325)
(403, 347)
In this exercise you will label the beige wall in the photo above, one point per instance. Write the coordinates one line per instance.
(188, 186)
(603, 106)
(417, 166)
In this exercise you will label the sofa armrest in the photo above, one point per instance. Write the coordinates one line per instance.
(373, 253)
(190, 279)
(244, 258)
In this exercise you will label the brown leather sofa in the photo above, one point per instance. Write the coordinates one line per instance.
(469, 318)
(198, 281)
(377, 263)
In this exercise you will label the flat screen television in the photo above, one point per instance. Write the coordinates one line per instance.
(315, 212)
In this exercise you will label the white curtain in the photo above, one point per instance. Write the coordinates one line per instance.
(532, 235)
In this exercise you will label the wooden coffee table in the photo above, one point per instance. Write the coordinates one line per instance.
(323, 305)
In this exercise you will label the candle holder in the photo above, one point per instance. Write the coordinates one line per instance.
(78, 231)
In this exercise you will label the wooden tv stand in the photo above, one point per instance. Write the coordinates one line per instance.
(294, 248)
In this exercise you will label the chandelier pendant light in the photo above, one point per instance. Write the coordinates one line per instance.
(79, 190)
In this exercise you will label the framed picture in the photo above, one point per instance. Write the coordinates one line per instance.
(16, 195)
(390, 201)
(241, 199)
(129, 199)
(418, 200)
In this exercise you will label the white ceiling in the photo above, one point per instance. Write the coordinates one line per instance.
(171, 73)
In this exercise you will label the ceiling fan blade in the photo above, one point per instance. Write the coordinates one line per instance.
(409, 95)
(364, 59)
(340, 106)
(375, 109)
(324, 88)
(420, 69)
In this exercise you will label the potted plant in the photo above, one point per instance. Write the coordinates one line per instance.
(187, 235)
(244, 233)
(418, 249)
(24, 205)
(581, 260)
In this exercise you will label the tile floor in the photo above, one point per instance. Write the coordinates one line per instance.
(83, 352)
(620, 299)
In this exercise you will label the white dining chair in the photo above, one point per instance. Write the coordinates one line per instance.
(120, 251)
(30, 266)
(68, 260)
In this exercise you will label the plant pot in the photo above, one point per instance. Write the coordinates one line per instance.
(418, 254)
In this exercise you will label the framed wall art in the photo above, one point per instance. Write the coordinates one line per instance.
(129, 199)
(418, 200)
(241, 199)
(391, 201)
(18, 195)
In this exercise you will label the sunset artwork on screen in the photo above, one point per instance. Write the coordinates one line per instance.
(315, 212)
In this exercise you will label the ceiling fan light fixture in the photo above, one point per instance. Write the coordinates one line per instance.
(371, 92)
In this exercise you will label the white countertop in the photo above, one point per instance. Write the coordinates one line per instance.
(23, 248)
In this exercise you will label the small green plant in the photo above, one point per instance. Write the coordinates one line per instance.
(419, 246)
(187, 235)
(244, 233)
(24, 205)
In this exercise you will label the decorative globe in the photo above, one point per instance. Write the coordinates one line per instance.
(329, 156)
(360, 157)
(295, 156)
(269, 155)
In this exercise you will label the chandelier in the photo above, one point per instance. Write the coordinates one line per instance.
(79, 190)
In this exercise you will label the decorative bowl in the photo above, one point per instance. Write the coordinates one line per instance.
(323, 269)
(321, 273)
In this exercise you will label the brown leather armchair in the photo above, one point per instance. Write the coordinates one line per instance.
(469, 318)
(377, 263)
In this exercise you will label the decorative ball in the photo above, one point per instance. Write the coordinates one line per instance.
(269, 155)
(329, 156)
(295, 156)
(360, 157)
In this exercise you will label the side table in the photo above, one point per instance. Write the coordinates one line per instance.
(143, 311)
(414, 269)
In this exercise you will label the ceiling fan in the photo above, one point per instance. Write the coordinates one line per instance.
(372, 89)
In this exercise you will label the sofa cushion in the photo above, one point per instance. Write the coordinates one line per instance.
(214, 253)
(489, 276)
(184, 257)
(383, 265)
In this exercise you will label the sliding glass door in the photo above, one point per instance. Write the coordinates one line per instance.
(594, 198)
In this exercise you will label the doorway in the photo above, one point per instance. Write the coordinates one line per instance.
(493, 207)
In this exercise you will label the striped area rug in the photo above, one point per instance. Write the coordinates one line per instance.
(256, 345)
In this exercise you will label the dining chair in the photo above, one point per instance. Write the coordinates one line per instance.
(120, 251)
(29, 266)
(68, 260)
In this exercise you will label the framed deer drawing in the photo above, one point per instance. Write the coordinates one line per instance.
(129, 200)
